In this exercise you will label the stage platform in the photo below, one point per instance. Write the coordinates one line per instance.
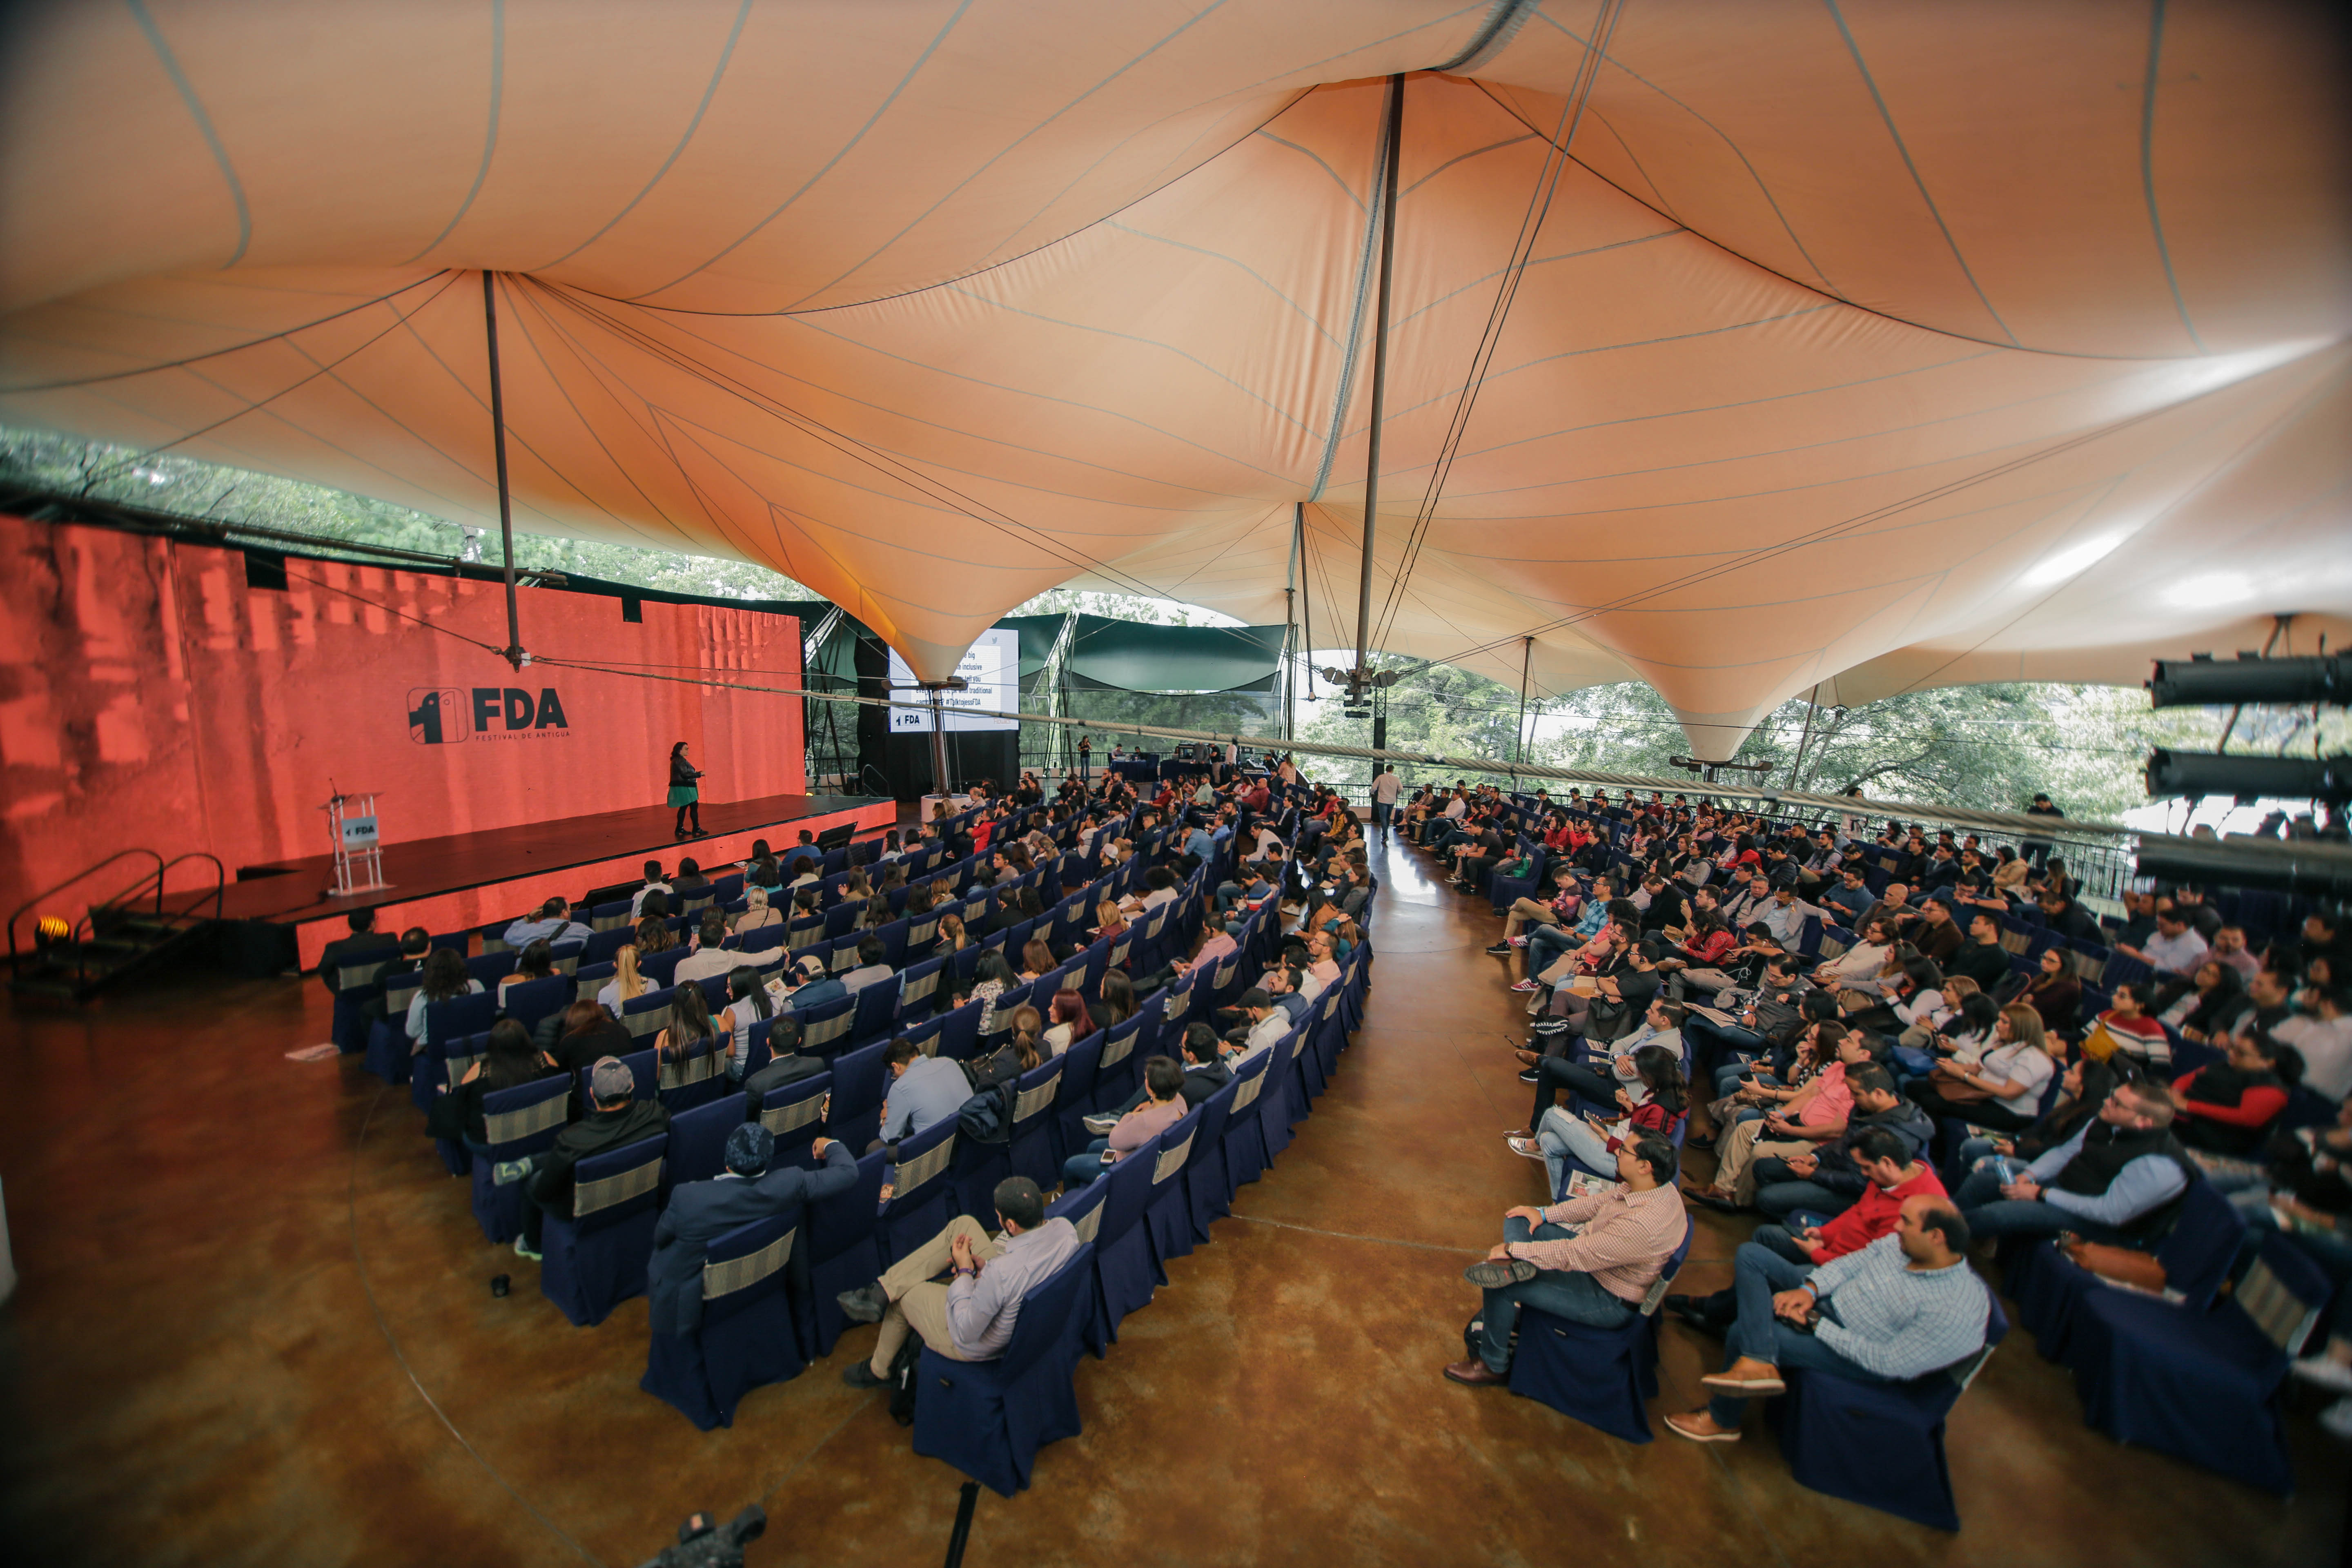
(470, 878)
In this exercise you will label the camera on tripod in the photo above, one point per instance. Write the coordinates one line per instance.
(701, 1543)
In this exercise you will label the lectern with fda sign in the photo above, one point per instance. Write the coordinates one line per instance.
(359, 854)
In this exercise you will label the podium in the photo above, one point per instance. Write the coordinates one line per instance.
(358, 856)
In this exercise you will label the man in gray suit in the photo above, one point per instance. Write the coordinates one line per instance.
(701, 1212)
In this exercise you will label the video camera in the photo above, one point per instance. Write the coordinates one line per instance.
(701, 1543)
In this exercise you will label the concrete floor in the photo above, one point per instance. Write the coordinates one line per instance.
(255, 1326)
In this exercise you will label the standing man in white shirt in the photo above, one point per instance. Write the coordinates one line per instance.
(1386, 786)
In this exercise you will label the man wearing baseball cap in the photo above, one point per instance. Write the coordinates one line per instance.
(813, 987)
(615, 1118)
(747, 1189)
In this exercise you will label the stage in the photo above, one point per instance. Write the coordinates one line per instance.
(471, 878)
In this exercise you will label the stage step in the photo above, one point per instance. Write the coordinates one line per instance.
(75, 972)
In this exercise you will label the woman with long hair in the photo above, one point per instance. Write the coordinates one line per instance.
(1108, 919)
(876, 914)
(991, 979)
(2054, 993)
(1655, 1101)
(509, 1061)
(1036, 959)
(654, 936)
(1114, 1000)
(1069, 1021)
(535, 962)
(2003, 1090)
(692, 1026)
(626, 984)
(445, 978)
(683, 792)
(747, 1003)
(953, 938)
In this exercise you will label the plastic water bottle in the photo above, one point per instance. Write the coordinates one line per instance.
(2004, 1170)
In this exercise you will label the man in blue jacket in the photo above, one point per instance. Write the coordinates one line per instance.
(701, 1212)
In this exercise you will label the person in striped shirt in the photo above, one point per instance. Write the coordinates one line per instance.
(1902, 1307)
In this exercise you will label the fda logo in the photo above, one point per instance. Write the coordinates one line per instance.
(436, 717)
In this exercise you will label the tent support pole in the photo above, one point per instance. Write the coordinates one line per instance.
(1520, 736)
(1394, 136)
(514, 651)
(1290, 619)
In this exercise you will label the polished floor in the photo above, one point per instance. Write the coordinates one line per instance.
(255, 1326)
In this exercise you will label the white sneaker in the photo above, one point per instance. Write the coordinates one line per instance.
(2327, 1372)
(2337, 1419)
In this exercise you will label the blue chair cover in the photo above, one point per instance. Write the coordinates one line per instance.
(698, 1139)
(960, 1031)
(1599, 1377)
(748, 1337)
(794, 1114)
(1208, 1187)
(1117, 1062)
(2202, 1386)
(859, 1081)
(1244, 1140)
(387, 1050)
(596, 1260)
(988, 1418)
(1273, 1103)
(2197, 1256)
(1167, 1218)
(499, 1209)
(1083, 1207)
(1075, 1100)
(877, 1008)
(845, 1251)
(1881, 1445)
(1122, 1243)
(532, 1000)
(923, 1197)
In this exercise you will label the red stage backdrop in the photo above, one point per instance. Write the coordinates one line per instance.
(153, 699)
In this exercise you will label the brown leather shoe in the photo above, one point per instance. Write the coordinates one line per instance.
(1476, 1374)
(1527, 1059)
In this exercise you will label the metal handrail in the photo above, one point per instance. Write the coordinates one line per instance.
(219, 890)
(38, 899)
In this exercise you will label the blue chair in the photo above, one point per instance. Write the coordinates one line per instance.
(922, 1197)
(2204, 1386)
(521, 1120)
(355, 992)
(1208, 1189)
(2197, 1255)
(1274, 1104)
(646, 1016)
(825, 1029)
(595, 1258)
(860, 1080)
(450, 1063)
(532, 1000)
(988, 1418)
(845, 1253)
(1244, 1140)
(1599, 1377)
(695, 1078)
(794, 1113)
(1083, 1207)
(492, 964)
(959, 1032)
(876, 1009)
(1115, 1067)
(1881, 1445)
(1168, 1218)
(747, 1337)
(918, 985)
(698, 1139)
(1074, 1101)
(1122, 1242)
(641, 1073)
(661, 969)
(1028, 1149)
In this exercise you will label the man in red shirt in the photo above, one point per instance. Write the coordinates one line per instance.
(1885, 1159)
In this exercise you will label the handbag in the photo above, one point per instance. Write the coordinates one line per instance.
(1952, 1091)
(2117, 1265)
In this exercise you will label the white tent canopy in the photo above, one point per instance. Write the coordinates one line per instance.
(1863, 344)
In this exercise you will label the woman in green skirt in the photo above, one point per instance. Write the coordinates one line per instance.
(682, 795)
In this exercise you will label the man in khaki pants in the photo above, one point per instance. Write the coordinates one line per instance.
(971, 1316)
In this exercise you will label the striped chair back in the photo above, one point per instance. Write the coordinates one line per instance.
(551, 1110)
(631, 1181)
(923, 1167)
(1171, 1160)
(726, 1275)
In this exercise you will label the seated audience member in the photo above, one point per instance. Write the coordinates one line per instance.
(364, 945)
(689, 879)
(654, 936)
(699, 1213)
(692, 1031)
(1114, 1001)
(757, 912)
(1591, 1260)
(923, 1090)
(1827, 1179)
(1205, 1072)
(581, 1033)
(1815, 1113)
(1892, 1174)
(2131, 1031)
(1661, 1025)
(511, 1062)
(992, 978)
(1068, 1020)
(2227, 1107)
(2321, 1033)
(972, 1316)
(747, 1002)
(1982, 958)
(1162, 1107)
(2002, 1089)
(2117, 1180)
(1656, 1101)
(535, 962)
(871, 966)
(654, 883)
(2055, 993)
(711, 957)
(615, 1118)
(808, 986)
(2175, 949)
(553, 922)
(445, 980)
(1902, 1307)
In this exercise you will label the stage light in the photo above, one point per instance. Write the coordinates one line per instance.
(2295, 866)
(2247, 778)
(52, 929)
(2211, 683)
